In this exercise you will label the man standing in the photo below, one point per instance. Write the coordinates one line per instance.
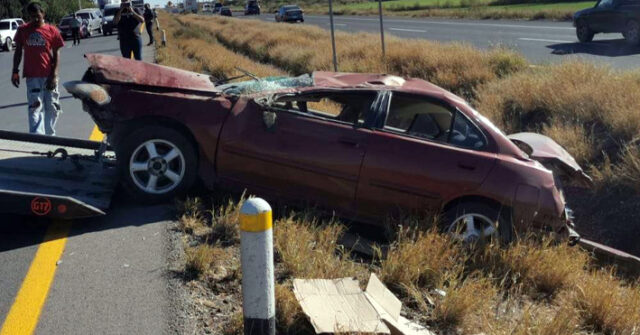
(75, 25)
(128, 20)
(41, 43)
(149, 17)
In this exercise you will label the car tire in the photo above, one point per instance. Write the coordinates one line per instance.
(147, 172)
(470, 221)
(104, 32)
(302, 20)
(632, 33)
(8, 44)
(583, 32)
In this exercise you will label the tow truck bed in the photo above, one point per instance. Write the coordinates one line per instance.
(54, 177)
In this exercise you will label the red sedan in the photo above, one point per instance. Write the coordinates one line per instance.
(364, 145)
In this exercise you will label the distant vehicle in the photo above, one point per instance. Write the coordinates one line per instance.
(289, 13)
(216, 7)
(103, 3)
(93, 17)
(609, 16)
(107, 18)
(207, 8)
(252, 8)
(139, 4)
(8, 28)
(191, 6)
(65, 27)
(225, 11)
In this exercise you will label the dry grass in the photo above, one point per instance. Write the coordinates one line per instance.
(606, 305)
(194, 50)
(200, 259)
(289, 316)
(310, 250)
(303, 49)
(588, 109)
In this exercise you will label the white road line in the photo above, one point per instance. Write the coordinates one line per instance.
(474, 24)
(412, 30)
(337, 24)
(543, 40)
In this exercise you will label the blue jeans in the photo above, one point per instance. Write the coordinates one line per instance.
(44, 106)
(129, 45)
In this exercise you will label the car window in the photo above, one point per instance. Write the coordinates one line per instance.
(350, 108)
(4, 25)
(465, 134)
(419, 117)
(605, 4)
(14, 26)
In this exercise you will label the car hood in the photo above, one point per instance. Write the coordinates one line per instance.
(552, 155)
(582, 12)
(118, 70)
(108, 18)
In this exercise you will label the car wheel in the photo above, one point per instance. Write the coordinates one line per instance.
(302, 20)
(89, 33)
(8, 44)
(583, 32)
(104, 32)
(156, 164)
(471, 222)
(632, 33)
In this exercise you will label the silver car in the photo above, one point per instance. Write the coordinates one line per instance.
(93, 18)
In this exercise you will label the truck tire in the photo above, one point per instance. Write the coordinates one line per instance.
(632, 33)
(8, 44)
(583, 32)
(156, 163)
(471, 221)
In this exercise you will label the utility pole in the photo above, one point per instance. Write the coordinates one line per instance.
(79, 4)
(333, 38)
(381, 28)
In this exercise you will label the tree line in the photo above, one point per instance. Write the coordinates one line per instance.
(54, 9)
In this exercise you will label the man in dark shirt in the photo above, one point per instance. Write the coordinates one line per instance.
(149, 16)
(128, 20)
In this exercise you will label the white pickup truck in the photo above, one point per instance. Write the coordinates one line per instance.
(8, 28)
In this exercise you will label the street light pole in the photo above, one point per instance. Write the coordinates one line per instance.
(333, 38)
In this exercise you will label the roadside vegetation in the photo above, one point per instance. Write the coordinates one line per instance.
(534, 286)
(472, 9)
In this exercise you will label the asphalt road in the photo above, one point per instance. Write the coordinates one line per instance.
(111, 277)
(540, 41)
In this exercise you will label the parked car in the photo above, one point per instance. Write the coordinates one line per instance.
(107, 18)
(93, 18)
(252, 8)
(65, 28)
(225, 11)
(216, 7)
(289, 13)
(362, 145)
(8, 28)
(207, 8)
(609, 16)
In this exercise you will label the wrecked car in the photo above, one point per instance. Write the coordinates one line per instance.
(363, 145)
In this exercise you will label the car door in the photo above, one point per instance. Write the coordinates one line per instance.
(601, 18)
(302, 146)
(421, 152)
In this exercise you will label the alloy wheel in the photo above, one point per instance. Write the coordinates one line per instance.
(157, 166)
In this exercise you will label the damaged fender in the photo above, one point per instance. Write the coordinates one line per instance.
(551, 155)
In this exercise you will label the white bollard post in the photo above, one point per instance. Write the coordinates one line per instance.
(164, 38)
(256, 254)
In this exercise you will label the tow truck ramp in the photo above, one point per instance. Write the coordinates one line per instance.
(54, 177)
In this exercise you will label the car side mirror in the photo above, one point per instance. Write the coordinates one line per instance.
(269, 119)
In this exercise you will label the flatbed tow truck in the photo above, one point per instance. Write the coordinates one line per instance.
(55, 177)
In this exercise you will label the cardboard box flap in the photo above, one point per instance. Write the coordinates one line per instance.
(337, 306)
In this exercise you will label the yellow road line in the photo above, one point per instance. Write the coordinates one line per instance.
(96, 135)
(25, 312)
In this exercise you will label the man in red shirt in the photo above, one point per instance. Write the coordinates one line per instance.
(41, 43)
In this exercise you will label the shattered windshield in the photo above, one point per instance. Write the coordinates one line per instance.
(266, 84)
